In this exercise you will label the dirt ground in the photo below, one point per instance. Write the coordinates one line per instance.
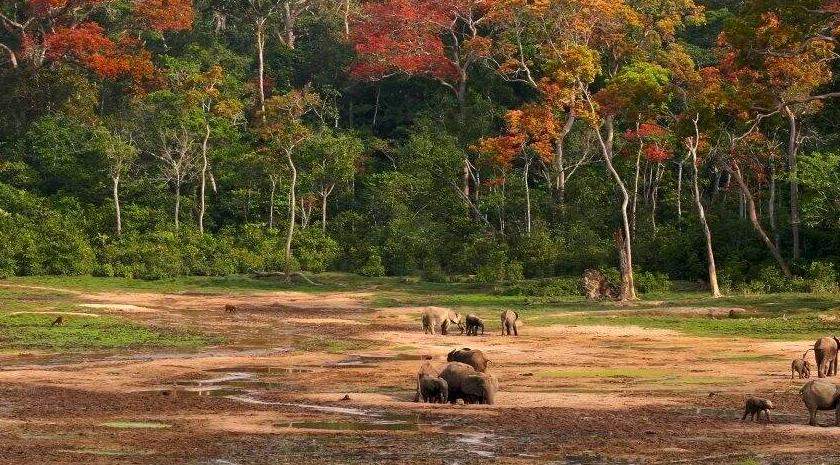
(272, 392)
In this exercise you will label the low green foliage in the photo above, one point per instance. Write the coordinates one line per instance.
(763, 327)
(333, 346)
(33, 331)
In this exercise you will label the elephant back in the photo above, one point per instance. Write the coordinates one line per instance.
(473, 358)
(455, 373)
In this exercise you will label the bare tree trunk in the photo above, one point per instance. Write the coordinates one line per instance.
(560, 162)
(628, 287)
(679, 188)
(305, 214)
(527, 198)
(177, 203)
(701, 212)
(636, 188)
(346, 18)
(289, 25)
(771, 205)
(376, 105)
(12, 56)
(273, 180)
(202, 202)
(117, 209)
(793, 149)
(324, 195)
(654, 195)
(292, 210)
(260, 36)
(750, 204)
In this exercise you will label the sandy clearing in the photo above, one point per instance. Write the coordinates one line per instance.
(556, 381)
(122, 308)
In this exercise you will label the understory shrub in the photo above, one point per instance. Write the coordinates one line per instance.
(822, 277)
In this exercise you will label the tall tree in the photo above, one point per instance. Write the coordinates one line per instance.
(780, 54)
(284, 129)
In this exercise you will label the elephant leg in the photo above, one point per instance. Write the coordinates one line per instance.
(834, 367)
(812, 420)
(744, 418)
(767, 414)
(515, 331)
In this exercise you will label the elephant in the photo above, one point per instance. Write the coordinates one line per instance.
(801, 367)
(821, 394)
(432, 390)
(509, 319)
(469, 385)
(437, 316)
(473, 358)
(473, 324)
(755, 406)
(825, 351)
(480, 388)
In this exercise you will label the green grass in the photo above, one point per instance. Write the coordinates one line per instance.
(800, 311)
(762, 327)
(33, 331)
(333, 346)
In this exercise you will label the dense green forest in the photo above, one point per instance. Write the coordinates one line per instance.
(490, 140)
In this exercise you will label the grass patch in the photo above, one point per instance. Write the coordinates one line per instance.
(33, 331)
(764, 327)
(333, 346)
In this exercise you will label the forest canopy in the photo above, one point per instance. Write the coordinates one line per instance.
(486, 140)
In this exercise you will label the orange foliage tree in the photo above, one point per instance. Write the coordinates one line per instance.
(39, 31)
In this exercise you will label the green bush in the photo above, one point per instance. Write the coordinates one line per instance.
(549, 287)
(433, 273)
(822, 277)
(651, 282)
(373, 267)
(314, 250)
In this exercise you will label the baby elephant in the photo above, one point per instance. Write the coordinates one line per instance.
(433, 390)
(509, 320)
(473, 324)
(801, 367)
(755, 406)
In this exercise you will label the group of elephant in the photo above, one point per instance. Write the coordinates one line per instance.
(464, 377)
(438, 317)
(818, 394)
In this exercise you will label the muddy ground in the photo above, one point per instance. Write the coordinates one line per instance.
(272, 392)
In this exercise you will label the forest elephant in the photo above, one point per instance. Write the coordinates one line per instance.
(473, 324)
(473, 358)
(426, 369)
(469, 385)
(755, 406)
(480, 388)
(825, 351)
(438, 317)
(509, 319)
(432, 389)
(801, 367)
(821, 394)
